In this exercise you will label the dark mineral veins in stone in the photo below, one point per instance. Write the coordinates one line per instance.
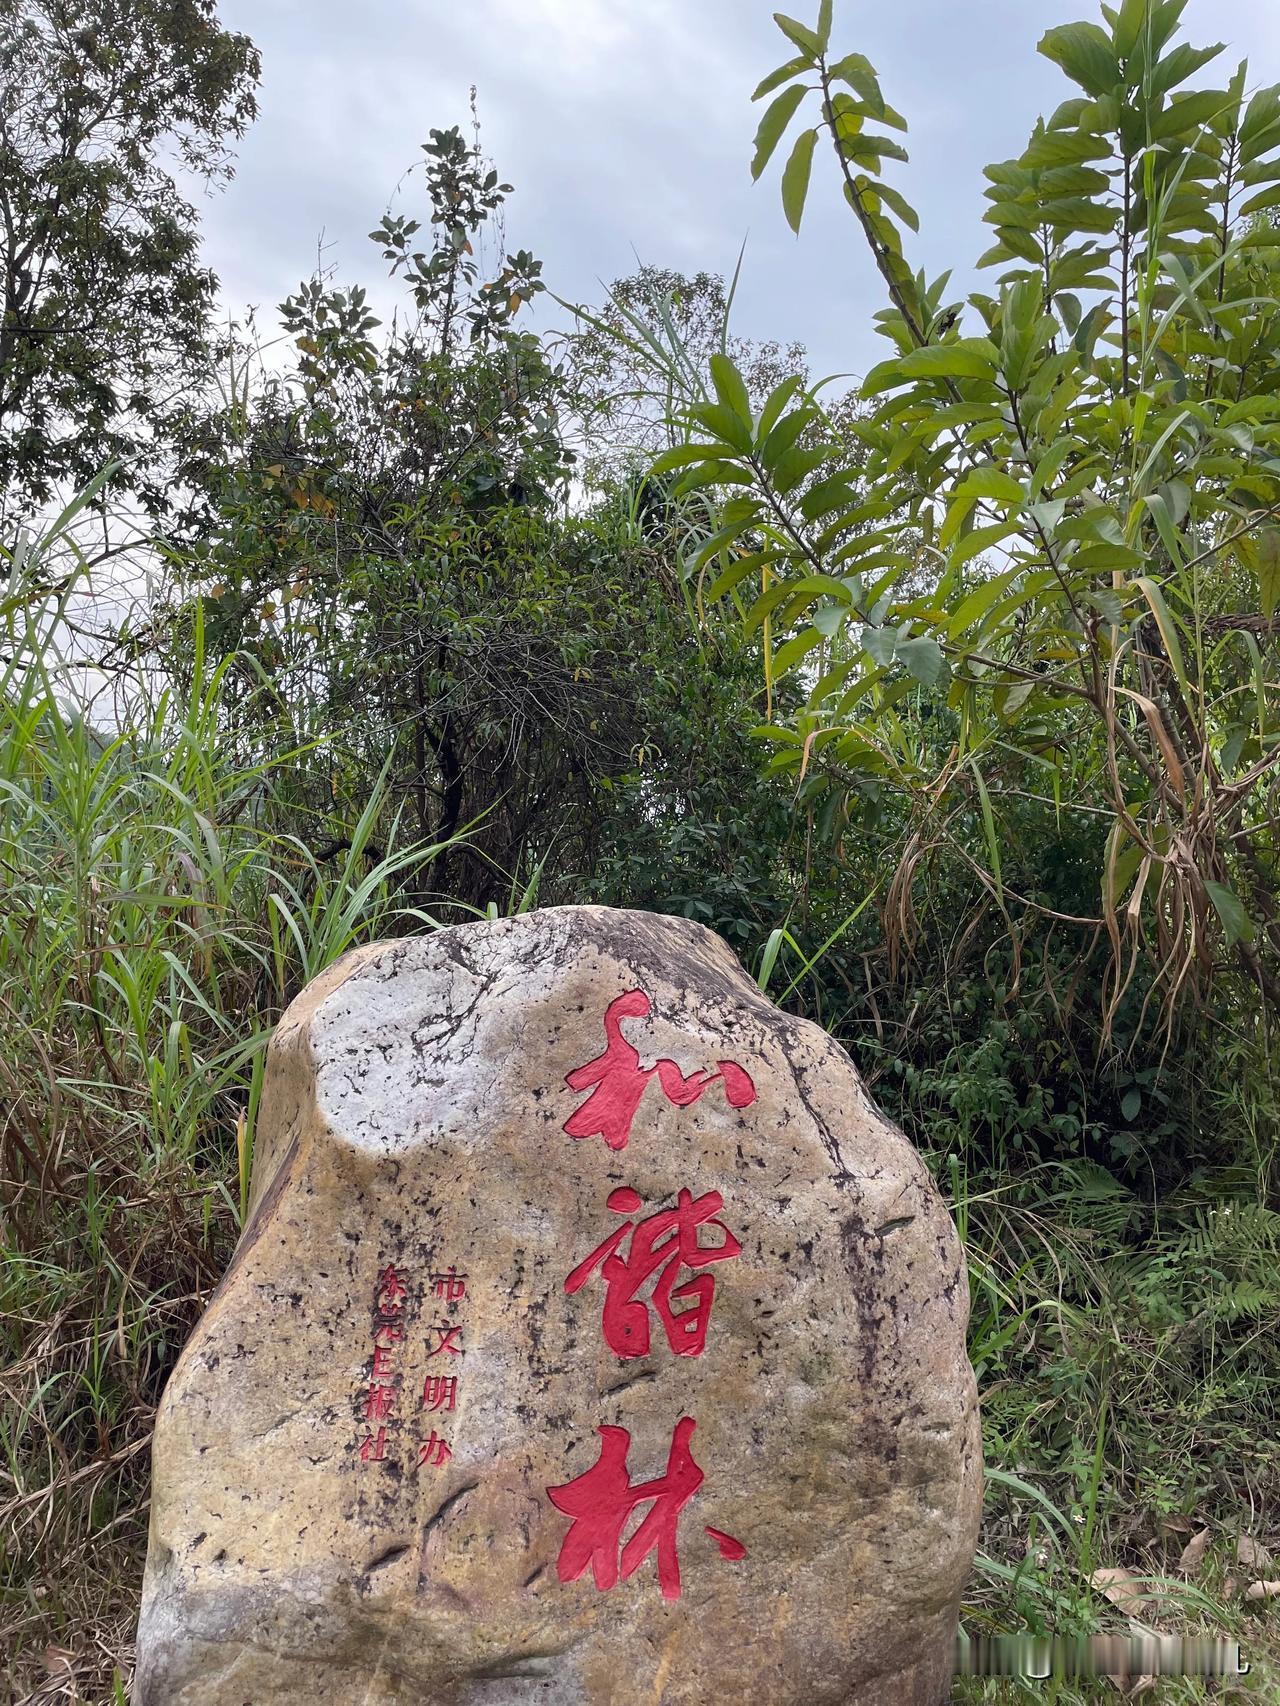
(593, 1339)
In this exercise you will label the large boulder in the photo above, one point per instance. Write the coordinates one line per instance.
(592, 1339)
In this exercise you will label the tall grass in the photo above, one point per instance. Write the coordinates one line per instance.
(157, 911)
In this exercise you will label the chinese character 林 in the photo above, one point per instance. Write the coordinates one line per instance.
(600, 1501)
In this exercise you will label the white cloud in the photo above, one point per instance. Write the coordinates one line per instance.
(628, 123)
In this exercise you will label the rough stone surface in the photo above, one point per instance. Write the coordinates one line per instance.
(414, 1120)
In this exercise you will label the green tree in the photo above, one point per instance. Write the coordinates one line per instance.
(106, 306)
(389, 558)
(630, 360)
(1082, 469)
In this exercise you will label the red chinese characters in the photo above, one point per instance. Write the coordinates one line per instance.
(600, 1502)
(390, 1293)
(378, 1402)
(655, 1262)
(664, 1243)
(618, 1082)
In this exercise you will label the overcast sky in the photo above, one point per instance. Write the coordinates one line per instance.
(626, 126)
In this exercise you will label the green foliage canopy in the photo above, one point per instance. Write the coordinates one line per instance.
(105, 327)
(1083, 465)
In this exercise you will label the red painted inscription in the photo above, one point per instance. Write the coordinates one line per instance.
(600, 1502)
(617, 1081)
(664, 1243)
(433, 1452)
(439, 1392)
(450, 1340)
(451, 1285)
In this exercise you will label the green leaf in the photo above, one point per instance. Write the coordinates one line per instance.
(1133, 14)
(856, 70)
(830, 494)
(966, 358)
(784, 435)
(682, 455)
(1264, 199)
(726, 423)
(868, 150)
(1236, 923)
(1164, 622)
(1085, 53)
(824, 24)
(991, 482)
(1262, 112)
(881, 644)
(803, 37)
(1063, 148)
(1131, 1103)
(1189, 112)
(784, 74)
(1267, 555)
(731, 388)
(777, 116)
(795, 178)
(923, 659)
(775, 403)
(899, 204)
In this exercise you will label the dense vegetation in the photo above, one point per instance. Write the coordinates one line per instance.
(952, 703)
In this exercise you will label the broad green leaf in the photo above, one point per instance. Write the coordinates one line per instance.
(857, 71)
(1267, 544)
(1085, 53)
(923, 659)
(899, 204)
(1178, 64)
(1188, 112)
(783, 435)
(1261, 114)
(824, 24)
(799, 34)
(977, 603)
(794, 466)
(1236, 924)
(881, 644)
(1064, 148)
(1261, 144)
(1264, 199)
(795, 178)
(1132, 16)
(827, 495)
(730, 387)
(681, 455)
(775, 403)
(784, 74)
(726, 423)
(978, 541)
(966, 358)
(777, 116)
(828, 619)
(796, 649)
(867, 150)
(990, 482)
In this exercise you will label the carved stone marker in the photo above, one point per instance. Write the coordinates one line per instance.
(592, 1340)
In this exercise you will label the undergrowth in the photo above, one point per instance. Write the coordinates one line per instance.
(157, 915)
